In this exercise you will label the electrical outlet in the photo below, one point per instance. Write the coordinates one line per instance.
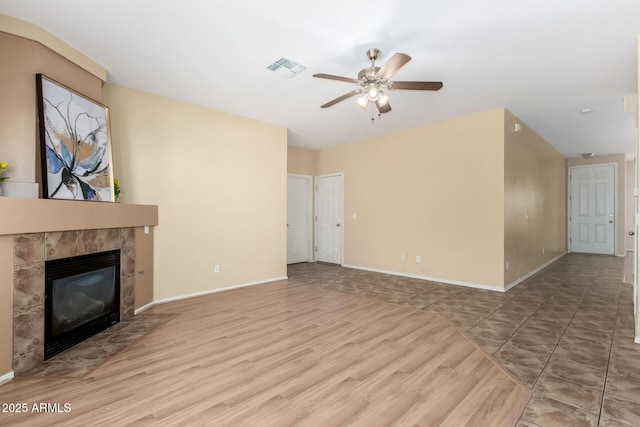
(507, 266)
(418, 259)
(402, 257)
(543, 250)
(216, 268)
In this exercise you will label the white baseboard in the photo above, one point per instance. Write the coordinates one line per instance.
(6, 377)
(433, 279)
(532, 272)
(209, 292)
(143, 308)
(457, 282)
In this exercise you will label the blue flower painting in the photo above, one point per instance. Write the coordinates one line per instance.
(76, 150)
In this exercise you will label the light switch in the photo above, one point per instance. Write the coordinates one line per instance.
(146, 229)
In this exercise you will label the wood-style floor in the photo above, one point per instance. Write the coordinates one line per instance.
(287, 353)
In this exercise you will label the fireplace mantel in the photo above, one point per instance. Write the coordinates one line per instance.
(21, 216)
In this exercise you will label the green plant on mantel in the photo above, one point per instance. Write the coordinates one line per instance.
(116, 189)
(3, 166)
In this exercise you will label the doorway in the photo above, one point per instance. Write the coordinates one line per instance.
(329, 218)
(592, 203)
(299, 222)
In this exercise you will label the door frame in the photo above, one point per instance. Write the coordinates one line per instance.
(310, 200)
(636, 229)
(315, 218)
(615, 203)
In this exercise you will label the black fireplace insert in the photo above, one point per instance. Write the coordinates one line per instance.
(82, 298)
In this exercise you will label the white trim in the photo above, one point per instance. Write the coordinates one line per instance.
(310, 195)
(532, 272)
(143, 308)
(615, 204)
(6, 377)
(212, 291)
(432, 279)
(326, 175)
(460, 283)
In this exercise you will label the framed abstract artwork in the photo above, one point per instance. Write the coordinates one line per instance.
(75, 144)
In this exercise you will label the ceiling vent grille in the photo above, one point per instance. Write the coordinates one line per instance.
(286, 67)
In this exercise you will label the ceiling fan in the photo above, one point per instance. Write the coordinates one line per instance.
(374, 80)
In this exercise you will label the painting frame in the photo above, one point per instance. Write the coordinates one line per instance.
(75, 144)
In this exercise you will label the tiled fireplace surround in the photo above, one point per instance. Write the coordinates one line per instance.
(30, 253)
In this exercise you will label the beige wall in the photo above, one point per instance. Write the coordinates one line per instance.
(219, 181)
(301, 161)
(18, 111)
(535, 205)
(621, 163)
(434, 191)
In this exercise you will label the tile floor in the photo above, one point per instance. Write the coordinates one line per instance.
(566, 332)
(83, 358)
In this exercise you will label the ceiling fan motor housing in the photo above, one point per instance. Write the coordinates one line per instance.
(368, 75)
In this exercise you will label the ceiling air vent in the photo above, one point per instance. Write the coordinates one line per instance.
(286, 67)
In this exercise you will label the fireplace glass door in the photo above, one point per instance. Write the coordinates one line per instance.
(82, 298)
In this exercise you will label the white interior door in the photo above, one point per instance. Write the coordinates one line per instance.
(329, 218)
(298, 218)
(592, 209)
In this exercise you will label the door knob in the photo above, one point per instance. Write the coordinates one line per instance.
(338, 225)
(632, 233)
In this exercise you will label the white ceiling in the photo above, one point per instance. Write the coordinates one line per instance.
(544, 60)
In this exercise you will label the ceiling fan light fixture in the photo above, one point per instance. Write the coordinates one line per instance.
(363, 101)
(383, 99)
(373, 92)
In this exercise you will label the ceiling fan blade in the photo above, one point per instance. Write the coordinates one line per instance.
(414, 85)
(383, 108)
(341, 98)
(332, 77)
(392, 66)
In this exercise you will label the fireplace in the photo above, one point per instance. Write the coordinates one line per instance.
(82, 298)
